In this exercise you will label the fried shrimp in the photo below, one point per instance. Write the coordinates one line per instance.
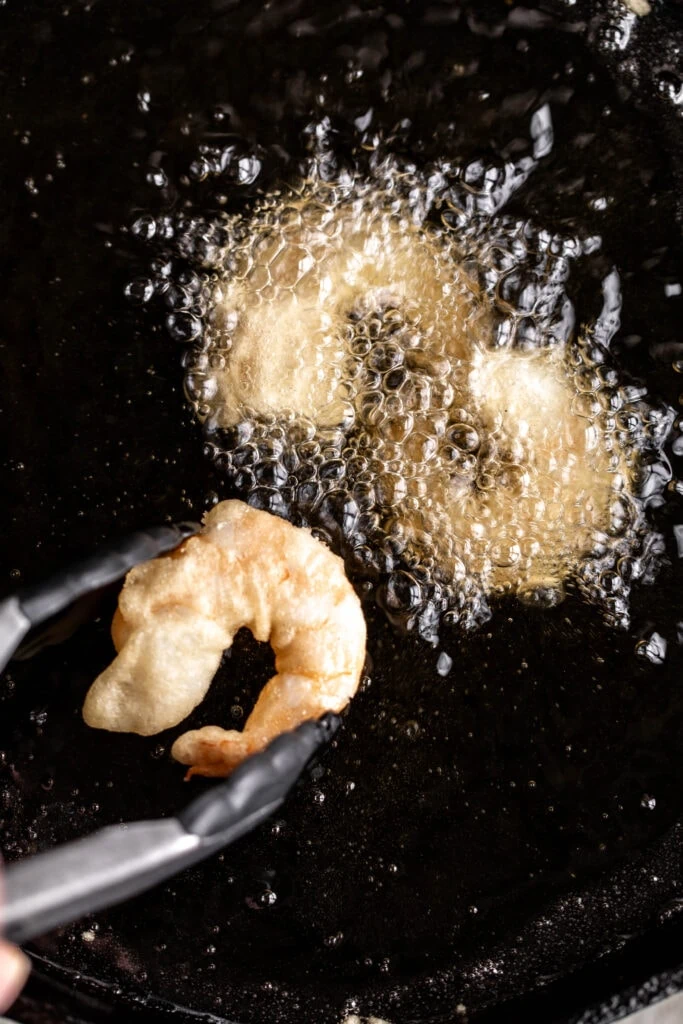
(543, 485)
(177, 615)
(433, 373)
(287, 302)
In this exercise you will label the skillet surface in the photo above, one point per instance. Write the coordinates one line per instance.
(470, 837)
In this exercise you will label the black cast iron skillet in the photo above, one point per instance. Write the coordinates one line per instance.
(506, 833)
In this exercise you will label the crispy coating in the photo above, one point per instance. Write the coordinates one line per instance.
(177, 615)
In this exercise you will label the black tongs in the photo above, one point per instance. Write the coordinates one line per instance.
(78, 878)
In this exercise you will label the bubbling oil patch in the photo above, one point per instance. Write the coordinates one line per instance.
(389, 359)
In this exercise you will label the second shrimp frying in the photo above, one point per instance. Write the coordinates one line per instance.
(177, 615)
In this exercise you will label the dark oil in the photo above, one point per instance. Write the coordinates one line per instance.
(497, 809)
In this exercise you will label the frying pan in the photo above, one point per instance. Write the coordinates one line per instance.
(504, 841)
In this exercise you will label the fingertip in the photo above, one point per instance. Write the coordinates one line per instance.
(15, 967)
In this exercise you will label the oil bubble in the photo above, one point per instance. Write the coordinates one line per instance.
(139, 291)
(652, 649)
(444, 664)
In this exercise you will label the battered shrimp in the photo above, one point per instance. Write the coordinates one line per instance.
(542, 507)
(287, 303)
(177, 615)
(499, 463)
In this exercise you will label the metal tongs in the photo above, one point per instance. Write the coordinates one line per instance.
(115, 863)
